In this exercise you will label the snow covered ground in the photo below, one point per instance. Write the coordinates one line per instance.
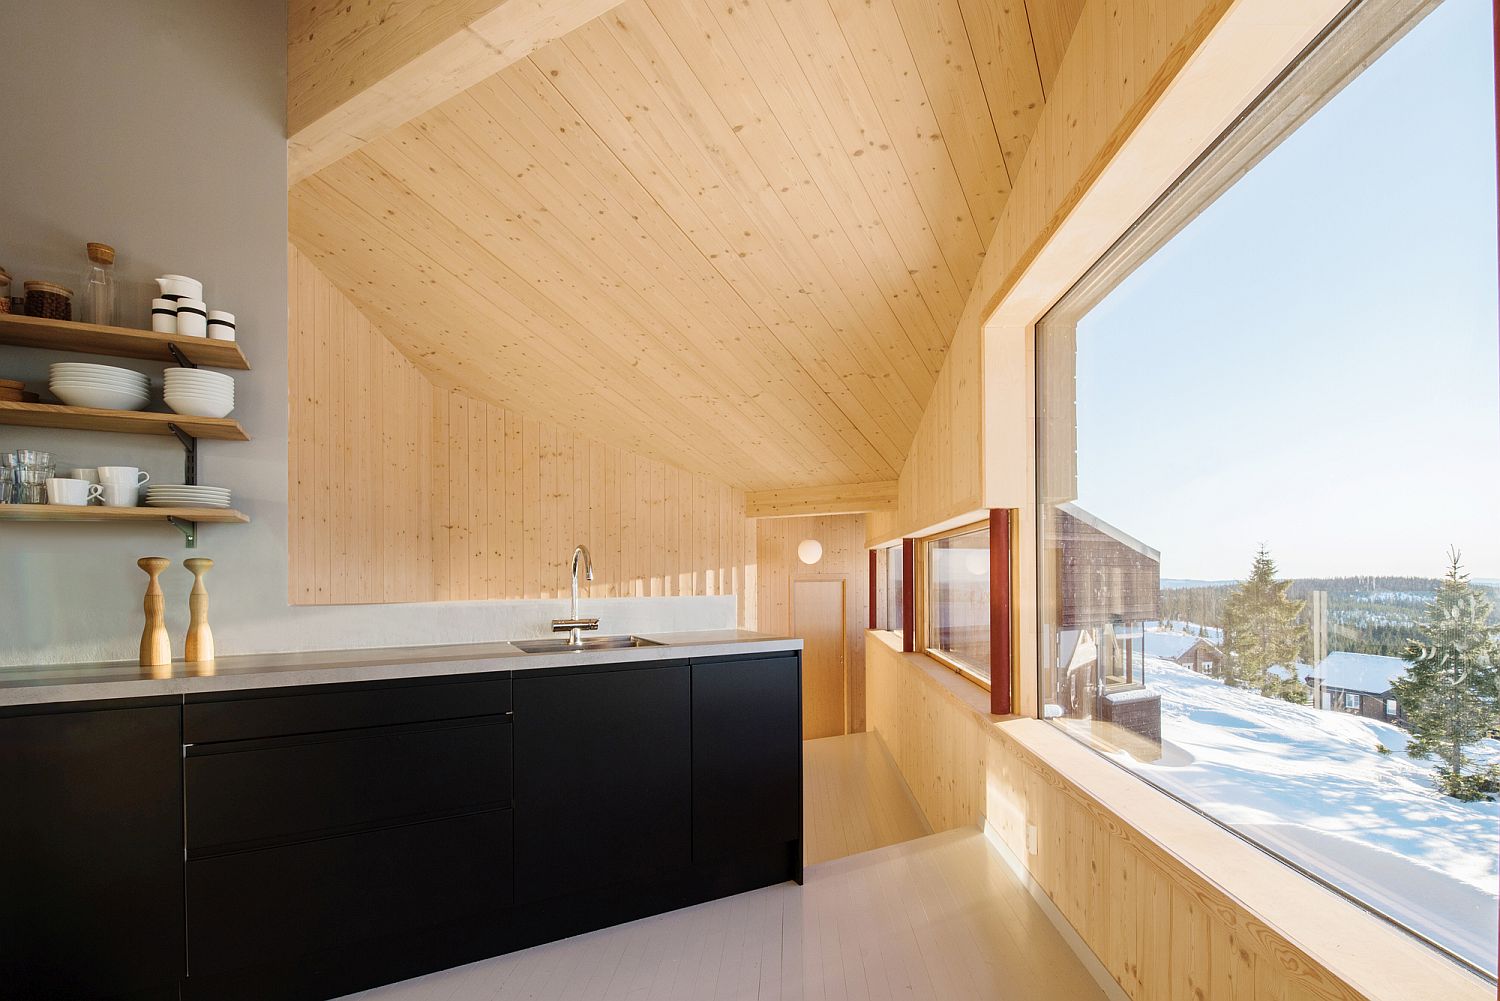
(1311, 785)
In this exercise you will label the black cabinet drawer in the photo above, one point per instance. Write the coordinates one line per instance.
(256, 907)
(247, 793)
(747, 754)
(315, 708)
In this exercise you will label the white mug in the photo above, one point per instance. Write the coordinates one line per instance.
(192, 318)
(73, 493)
(91, 475)
(119, 494)
(123, 474)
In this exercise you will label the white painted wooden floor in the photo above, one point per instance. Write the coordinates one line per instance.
(940, 918)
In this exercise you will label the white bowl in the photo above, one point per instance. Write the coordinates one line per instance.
(94, 368)
(97, 372)
(200, 408)
(80, 380)
(201, 388)
(185, 397)
(85, 380)
(100, 398)
(225, 392)
(199, 375)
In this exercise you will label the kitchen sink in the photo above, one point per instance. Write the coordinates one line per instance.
(560, 644)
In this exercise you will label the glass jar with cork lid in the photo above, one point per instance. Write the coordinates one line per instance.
(97, 300)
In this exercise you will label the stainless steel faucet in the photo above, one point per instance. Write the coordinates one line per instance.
(573, 625)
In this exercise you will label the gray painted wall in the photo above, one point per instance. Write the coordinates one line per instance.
(157, 126)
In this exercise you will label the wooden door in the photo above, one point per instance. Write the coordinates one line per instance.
(818, 619)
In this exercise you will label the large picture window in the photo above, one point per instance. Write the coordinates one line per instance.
(1268, 471)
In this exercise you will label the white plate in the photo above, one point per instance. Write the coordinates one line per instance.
(175, 503)
(189, 492)
(153, 489)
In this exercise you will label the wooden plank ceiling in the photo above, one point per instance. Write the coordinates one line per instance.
(735, 236)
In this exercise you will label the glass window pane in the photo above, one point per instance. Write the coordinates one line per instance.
(1263, 420)
(958, 600)
(895, 614)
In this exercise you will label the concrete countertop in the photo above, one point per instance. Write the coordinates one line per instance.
(52, 683)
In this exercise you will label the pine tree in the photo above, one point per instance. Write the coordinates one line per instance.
(1449, 692)
(1262, 635)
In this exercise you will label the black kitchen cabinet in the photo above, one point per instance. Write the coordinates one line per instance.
(341, 837)
(91, 852)
(747, 754)
(309, 842)
(603, 777)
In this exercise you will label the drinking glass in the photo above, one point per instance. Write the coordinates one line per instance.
(32, 469)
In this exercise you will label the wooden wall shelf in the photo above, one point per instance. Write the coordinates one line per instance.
(64, 512)
(119, 342)
(51, 415)
(185, 519)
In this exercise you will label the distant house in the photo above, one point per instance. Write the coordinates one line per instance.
(1358, 684)
(1189, 651)
(1108, 584)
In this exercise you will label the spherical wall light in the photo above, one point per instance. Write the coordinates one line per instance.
(809, 551)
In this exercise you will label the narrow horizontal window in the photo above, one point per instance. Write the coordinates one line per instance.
(956, 572)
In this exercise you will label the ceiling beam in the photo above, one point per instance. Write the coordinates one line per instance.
(842, 498)
(356, 71)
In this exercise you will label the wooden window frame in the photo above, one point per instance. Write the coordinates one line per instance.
(1001, 524)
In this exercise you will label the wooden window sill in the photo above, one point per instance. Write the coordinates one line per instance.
(1376, 960)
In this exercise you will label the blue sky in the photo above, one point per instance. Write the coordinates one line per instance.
(1312, 363)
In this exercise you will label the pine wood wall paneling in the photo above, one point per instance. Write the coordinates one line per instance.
(406, 491)
(777, 566)
(943, 474)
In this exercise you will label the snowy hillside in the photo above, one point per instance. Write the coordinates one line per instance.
(1311, 785)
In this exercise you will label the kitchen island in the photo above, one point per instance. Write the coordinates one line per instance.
(308, 825)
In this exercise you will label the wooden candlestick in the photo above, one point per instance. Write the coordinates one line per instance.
(200, 639)
(156, 649)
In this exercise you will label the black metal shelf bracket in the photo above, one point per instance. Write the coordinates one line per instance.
(189, 454)
(178, 356)
(189, 530)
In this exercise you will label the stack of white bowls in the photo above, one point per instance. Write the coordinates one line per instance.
(106, 387)
(186, 495)
(198, 393)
